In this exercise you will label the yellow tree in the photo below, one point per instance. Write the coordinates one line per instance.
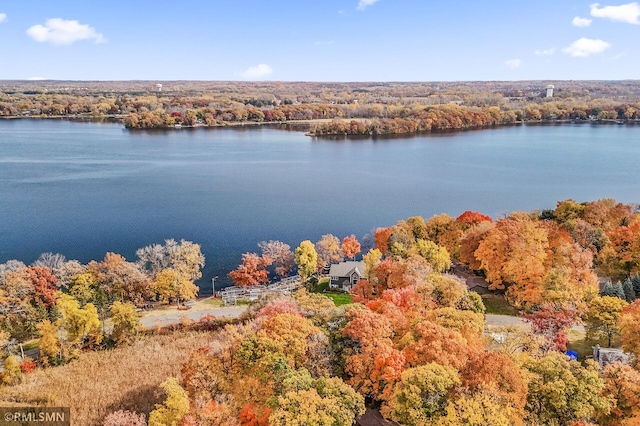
(421, 396)
(306, 258)
(477, 409)
(85, 287)
(79, 323)
(125, 321)
(601, 319)
(174, 408)
(322, 402)
(11, 373)
(371, 261)
(49, 343)
(438, 257)
(173, 285)
(563, 391)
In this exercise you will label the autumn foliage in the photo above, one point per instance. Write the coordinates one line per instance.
(553, 322)
(252, 271)
(413, 343)
(350, 246)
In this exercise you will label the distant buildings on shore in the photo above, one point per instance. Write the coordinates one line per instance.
(550, 91)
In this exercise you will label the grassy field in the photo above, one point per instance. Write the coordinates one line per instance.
(496, 304)
(339, 299)
(98, 383)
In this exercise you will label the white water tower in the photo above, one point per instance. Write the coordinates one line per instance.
(550, 91)
(159, 87)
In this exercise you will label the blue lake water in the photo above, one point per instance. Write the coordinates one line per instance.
(82, 189)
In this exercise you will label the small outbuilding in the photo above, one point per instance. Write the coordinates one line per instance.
(345, 275)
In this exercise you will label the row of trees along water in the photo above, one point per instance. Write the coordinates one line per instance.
(412, 342)
(379, 108)
(66, 303)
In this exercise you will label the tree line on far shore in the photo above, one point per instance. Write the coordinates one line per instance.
(356, 108)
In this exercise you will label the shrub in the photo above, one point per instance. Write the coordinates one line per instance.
(27, 365)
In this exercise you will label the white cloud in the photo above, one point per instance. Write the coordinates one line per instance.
(3, 17)
(366, 3)
(585, 47)
(581, 22)
(629, 13)
(258, 72)
(513, 63)
(61, 31)
(546, 52)
(36, 78)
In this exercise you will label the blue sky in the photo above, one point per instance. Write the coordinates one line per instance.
(331, 40)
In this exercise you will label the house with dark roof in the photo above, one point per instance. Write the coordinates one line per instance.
(345, 275)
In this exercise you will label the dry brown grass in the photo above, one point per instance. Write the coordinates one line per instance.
(98, 383)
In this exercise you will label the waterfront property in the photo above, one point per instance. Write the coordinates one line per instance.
(345, 275)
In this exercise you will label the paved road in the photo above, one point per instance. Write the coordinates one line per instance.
(155, 320)
(495, 321)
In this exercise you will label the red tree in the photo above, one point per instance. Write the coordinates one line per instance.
(252, 271)
(248, 417)
(381, 238)
(45, 285)
(362, 292)
(551, 322)
(473, 218)
(350, 246)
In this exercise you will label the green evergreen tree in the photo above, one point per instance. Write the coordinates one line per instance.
(607, 290)
(636, 284)
(618, 290)
(629, 292)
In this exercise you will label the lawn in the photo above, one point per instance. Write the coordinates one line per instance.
(339, 299)
(322, 285)
(578, 344)
(496, 304)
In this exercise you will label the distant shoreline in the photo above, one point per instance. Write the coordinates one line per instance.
(311, 122)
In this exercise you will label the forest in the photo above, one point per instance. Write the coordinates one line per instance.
(325, 108)
(413, 344)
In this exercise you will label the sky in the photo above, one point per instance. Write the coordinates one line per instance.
(309, 40)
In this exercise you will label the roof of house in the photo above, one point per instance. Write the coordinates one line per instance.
(344, 269)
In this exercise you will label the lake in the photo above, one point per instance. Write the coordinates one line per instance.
(85, 188)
